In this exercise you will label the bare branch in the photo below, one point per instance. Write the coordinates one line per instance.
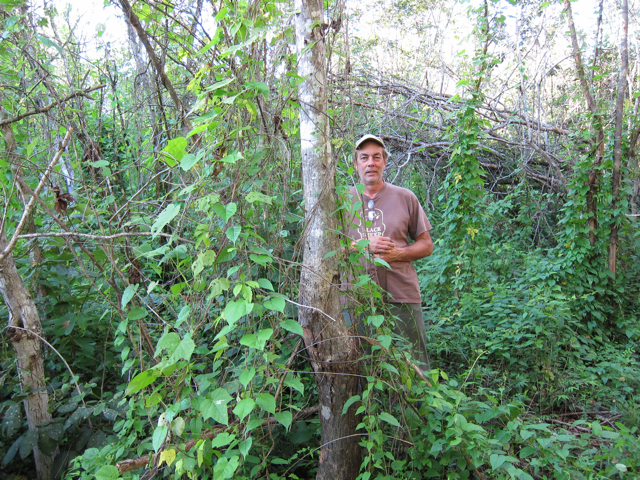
(36, 193)
(46, 108)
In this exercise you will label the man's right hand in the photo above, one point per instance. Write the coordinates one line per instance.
(381, 245)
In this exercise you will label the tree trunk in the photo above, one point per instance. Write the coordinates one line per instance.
(23, 314)
(334, 354)
(617, 141)
(592, 202)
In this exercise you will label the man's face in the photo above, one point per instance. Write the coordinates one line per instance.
(370, 163)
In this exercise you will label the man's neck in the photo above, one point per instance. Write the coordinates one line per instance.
(372, 190)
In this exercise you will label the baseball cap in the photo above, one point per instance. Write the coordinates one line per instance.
(368, 136)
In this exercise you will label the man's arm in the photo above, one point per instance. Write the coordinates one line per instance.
(385, 248)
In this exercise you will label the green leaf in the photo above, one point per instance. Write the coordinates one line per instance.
(258, 340)
(261, 259)
(225, 468)
(159, 434)
(245, 446)
(232, 157)
(292, 326)
(169, 342)
(285, 418)
(236, 309)
(253, 197)
(260, 87)
(188, 161)
(215, 407)
(108, 472)
(233, 233)
(275, 303)
(140, 381)
(266, 284)
(128, 294)
(294, 382)
(12, 420)
(496, 460)
(596, 429)
(225, 211)
(11, 453)
(222, 439)
(247, 375)
(50, 43)
(244, 407)
(385, 417)
(348, 403)
(220, 84)
(137, 313)
(164, 218)
(175, 150)
(184, 350)
(267, 402)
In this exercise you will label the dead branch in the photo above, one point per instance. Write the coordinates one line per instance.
(46, 108)
(100, 237)
(36, 193)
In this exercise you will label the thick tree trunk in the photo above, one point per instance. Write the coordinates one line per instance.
(23, 314)
(617, 141)
(334, 354)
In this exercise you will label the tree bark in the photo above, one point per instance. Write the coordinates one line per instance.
(333, 352)
(23, 314)
(617, 140)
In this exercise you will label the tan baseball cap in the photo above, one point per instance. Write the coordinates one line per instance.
(367, 137)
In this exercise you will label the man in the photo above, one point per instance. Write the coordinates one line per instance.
(389, 216)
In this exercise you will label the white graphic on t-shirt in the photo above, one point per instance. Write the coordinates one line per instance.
(376, 228)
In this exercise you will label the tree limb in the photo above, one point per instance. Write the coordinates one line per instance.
(46, 108)
(32, 201)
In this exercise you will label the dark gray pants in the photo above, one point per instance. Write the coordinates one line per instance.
(409, 325)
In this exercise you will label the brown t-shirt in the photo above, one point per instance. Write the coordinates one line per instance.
(394, 212)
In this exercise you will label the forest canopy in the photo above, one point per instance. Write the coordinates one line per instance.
(174, 180)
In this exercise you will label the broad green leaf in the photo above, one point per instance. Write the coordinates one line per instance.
(267, 402)
(159, 434)
(285, 418)
(107, 472)
(244, 407)
(233, 233)
(266, 284)
(294, 382)
(221, 83)
(218, 285)
(260, 87)
(137, 313)
(205, 259)
(275, 303)
(175, 150)
(222, 439)
(261, 259)
(225, 469)
(168, 342)
(232, 157)
(184, 350)
(165, 217)
(245, 446)
(348, 403)
(142, 380)
(385, 417)
(247, 375)
(216, 406)
(236, 309)
(50, 43)
(496, 460)
(253, 197)
(128, 294)
(188, 161)
(292, 326)
(225, 211)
